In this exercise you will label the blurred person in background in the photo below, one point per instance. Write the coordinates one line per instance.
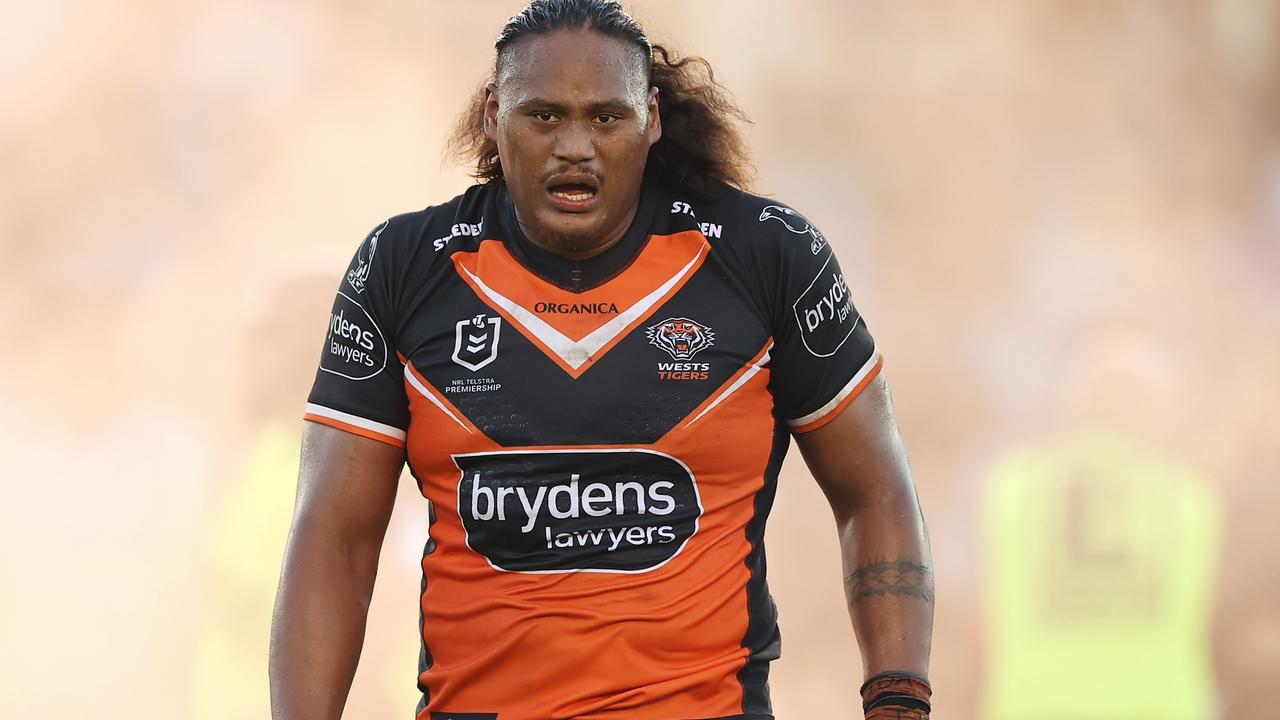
(594, 361)
(1102, 547)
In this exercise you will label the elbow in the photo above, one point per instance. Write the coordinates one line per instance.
(334, 551)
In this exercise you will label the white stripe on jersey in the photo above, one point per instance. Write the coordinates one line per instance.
(840, 396)
(413, 380)
(755, 368)
(348, 418)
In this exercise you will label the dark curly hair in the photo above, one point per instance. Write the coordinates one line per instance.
(701, 149)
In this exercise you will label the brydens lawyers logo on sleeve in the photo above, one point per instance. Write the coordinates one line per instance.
(825, 313)
(625, 510)
(354, 347)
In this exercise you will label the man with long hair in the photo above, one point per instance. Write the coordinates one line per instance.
(594, 361)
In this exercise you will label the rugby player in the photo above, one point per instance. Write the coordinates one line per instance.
(593, 362)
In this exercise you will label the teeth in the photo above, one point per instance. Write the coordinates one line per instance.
(576, 197)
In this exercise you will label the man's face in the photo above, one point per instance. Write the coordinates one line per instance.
(573, 118)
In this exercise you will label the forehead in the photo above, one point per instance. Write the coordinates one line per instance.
(568, 65)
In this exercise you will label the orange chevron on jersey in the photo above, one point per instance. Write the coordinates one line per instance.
(576, 328)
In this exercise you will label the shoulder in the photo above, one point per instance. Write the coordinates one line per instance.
(404, 251)
(756, 224)
(432, 227)
(414, 241)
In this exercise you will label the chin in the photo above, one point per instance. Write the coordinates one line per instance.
(570, 233)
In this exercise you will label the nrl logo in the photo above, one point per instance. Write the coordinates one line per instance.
(681, 338)
(364, 260)
(796, 223)
(475, 343)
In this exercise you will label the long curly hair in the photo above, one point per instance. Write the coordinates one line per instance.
(701, 149)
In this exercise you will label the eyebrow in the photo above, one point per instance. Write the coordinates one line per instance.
(615, 105)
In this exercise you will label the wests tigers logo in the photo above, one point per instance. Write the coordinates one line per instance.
(682, 338)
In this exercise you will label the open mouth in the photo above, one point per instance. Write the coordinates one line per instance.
(577, 193)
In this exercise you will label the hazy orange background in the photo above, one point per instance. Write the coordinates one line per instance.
(1026, 197)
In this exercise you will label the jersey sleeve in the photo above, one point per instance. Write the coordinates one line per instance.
(823, 354)
(359, 385)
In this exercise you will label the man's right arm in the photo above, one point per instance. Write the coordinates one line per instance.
(346, 490)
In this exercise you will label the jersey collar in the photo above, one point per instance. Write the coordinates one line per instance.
(585, 274)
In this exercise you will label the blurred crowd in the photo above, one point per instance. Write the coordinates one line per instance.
(1061, 220)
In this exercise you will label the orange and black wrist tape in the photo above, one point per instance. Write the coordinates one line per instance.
(896, 695)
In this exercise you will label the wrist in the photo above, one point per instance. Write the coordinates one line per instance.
(896, 695)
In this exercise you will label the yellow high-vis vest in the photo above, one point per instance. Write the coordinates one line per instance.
(1101, 563)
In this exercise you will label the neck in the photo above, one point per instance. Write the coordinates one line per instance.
(573, 247)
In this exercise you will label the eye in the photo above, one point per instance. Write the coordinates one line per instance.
(606, 119)
(543, 116)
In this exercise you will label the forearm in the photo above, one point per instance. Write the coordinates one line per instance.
(318, 627)
(888, 581)
(861, 463)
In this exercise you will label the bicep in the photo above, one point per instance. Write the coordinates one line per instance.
(858, 458)
(346, 485)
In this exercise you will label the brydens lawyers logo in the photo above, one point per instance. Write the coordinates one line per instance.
(354, 347)
(825, 313)
(618, 510)
(475, 343)
(681, 338)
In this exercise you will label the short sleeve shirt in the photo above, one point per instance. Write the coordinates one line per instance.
(600, 442)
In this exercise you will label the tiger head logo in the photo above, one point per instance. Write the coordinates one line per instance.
(682, 338)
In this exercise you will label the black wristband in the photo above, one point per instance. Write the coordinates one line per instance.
(911, 702)
(893, 696)
(892, 675)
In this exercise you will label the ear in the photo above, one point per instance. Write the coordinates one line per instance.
(491, 111)
(654, 129)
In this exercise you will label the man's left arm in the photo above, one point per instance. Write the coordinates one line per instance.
(860, 463)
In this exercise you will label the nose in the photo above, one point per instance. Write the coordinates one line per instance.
(574, 143)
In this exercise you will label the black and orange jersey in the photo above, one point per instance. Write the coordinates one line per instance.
(599, 441)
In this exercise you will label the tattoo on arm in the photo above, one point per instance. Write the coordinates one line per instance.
(901, 578)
